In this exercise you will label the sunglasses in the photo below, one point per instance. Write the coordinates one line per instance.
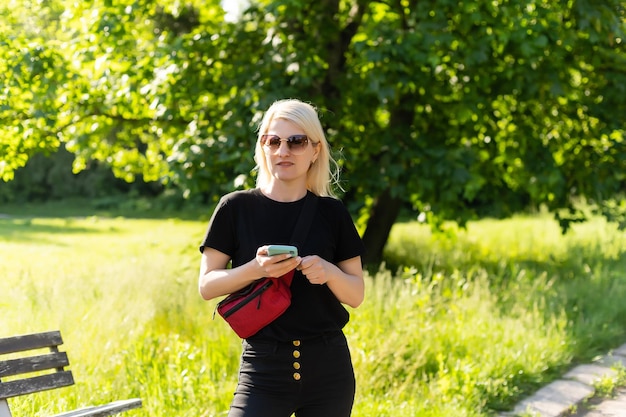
(295, 143)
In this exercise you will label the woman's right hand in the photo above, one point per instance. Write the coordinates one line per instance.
(277, 265)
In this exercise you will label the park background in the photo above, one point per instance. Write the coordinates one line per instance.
(483, 159)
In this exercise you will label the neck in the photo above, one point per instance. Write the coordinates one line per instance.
(283, 192)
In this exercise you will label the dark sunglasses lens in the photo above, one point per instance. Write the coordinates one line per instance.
(297, 141)
(273, 142)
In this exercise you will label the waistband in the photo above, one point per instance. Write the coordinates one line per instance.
(319, 339)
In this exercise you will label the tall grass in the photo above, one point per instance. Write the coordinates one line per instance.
(464, 324)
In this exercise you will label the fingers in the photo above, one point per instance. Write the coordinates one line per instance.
(313, 268)
(277, 265)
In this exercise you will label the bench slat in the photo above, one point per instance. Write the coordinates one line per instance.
(18, 366)
(35, 384)
(41, 362)
(30, 341)
(104, 410)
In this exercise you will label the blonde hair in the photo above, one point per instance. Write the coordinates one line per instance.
(324, 172)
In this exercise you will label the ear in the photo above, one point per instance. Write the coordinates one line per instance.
(316, 153)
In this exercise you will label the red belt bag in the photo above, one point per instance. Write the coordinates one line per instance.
(255, 306)
(250, 309)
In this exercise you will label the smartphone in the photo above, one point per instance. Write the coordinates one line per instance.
(278, 249)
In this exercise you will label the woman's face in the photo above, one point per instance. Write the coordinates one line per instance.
(285, 163)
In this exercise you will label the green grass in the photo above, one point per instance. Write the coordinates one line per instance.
(468, 323)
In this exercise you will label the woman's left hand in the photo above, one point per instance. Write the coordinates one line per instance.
(315, 269)
(345, 279)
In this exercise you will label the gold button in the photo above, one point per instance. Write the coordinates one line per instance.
(296, 354)
(296, 365)
(296, 376)
(296, 343)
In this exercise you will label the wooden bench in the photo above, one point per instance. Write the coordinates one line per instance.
(30, 371)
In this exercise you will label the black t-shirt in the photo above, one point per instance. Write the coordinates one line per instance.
(245, 220)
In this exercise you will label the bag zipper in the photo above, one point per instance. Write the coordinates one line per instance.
(246, 300)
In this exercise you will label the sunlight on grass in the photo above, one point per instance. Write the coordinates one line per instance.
(463, 323)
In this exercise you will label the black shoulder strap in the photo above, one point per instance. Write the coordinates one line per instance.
(301, 231)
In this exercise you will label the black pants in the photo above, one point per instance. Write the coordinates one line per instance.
(311, 378)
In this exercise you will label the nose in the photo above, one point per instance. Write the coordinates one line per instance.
(283, 149)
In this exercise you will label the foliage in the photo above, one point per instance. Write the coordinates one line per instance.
(460, 110)
(484, 317)
(608, 385)
(50, 177)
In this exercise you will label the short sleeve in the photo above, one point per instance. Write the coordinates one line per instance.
(220, 234)
(349, 241)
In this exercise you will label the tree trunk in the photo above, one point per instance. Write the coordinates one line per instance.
(383, 215)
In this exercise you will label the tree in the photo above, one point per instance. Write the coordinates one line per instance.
(459, 110)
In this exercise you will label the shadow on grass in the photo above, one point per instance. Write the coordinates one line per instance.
(26, 230)
(40, 222)
(139, 208)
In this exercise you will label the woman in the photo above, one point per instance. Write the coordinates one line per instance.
(299, 363)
